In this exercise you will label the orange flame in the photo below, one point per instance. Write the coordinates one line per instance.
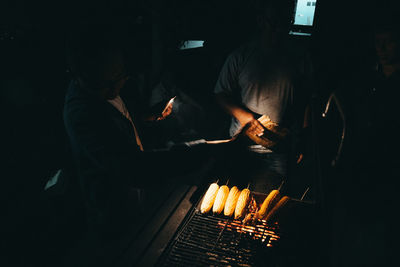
(259, 231)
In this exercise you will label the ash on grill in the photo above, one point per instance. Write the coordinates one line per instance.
(207, 240)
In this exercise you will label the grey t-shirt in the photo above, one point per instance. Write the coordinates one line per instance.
(266, 81)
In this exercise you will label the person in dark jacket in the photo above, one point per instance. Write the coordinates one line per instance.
(112, 164)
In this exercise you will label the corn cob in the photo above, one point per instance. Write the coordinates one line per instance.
(264, 119)
(209, 198)
(220, 199)
(231, 201)
(268, 203)
(242, 203)
(277, 208)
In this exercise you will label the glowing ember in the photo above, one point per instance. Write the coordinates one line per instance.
(259, 231)
(252, 225)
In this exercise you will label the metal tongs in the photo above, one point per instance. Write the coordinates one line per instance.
(261, 119)
(343, 117)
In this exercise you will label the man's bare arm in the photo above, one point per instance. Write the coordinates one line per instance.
(244, 116)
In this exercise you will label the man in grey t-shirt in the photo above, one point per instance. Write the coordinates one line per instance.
(266, 77)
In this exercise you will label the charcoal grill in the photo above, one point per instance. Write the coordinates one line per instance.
(207, 240)
(213, 240)
(185, 237)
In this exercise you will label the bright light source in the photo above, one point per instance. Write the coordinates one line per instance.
(305, 10)
(191, 44)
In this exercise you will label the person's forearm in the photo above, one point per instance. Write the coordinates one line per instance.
(236, 110)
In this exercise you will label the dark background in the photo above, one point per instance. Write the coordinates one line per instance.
(34, 79)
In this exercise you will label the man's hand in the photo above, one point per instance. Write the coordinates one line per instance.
(251, 126)
(242, 116)
(254, 127)
(167, 110)
(246, 118)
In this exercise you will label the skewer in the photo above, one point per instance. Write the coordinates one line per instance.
(241, 232)
(227, 182)
(304, 194)
(220, 234)
(255, 217)
(242, 222)
(279, 189)
(263, 234)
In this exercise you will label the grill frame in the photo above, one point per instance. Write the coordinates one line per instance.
(149, 247)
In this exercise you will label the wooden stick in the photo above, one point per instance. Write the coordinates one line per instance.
(304, 194)
(227, 182)
(279, 189)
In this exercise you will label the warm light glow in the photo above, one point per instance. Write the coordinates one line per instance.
(258, 231)
(171, 100)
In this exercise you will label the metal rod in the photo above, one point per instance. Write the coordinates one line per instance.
(220, 234)
(343, 117)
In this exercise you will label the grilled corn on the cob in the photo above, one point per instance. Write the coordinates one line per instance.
(242, 203)
(220, 199)
(268, 203)
(231, 201)
(277, 208)
(209, 198)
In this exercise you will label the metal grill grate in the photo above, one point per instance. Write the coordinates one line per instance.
(206, 240)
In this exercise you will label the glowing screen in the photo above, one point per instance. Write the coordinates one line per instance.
(304, 14)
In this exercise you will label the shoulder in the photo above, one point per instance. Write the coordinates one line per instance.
(79, 107)
(240, 55)
(243, 51)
